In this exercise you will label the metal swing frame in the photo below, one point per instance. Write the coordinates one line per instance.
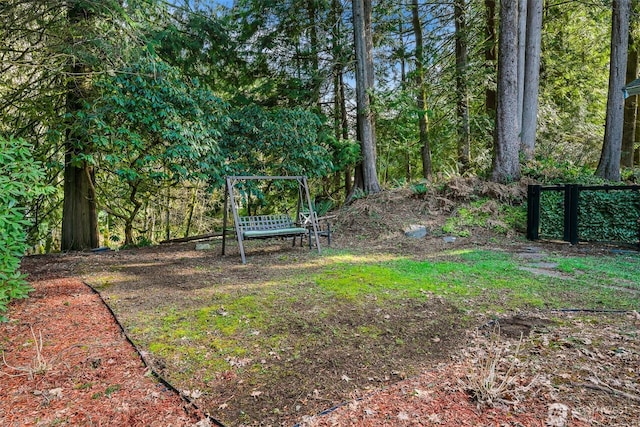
(267, 226)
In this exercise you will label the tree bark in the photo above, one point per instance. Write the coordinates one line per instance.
(522, 40)
(636, 154)
(462, 92)
(341, 123)
(609, 165)
(316, 80)
(79, 211)
(403, 52)
(531, 78)
(192, 206)
(128, 220)
(364, 83)
(630, 109)
(167, 214)
(423, 118)
(490, 103)
(348, 174)
(506, 165)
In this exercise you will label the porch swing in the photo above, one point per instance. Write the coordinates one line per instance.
(273, 225)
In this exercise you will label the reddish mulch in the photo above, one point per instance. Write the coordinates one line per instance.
(86, 373)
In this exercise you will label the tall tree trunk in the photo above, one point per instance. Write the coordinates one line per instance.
(408, 174)
(192, 206)
(167, 214)
(338, 67)
(636, 154)
(506, 165)
(341, 123)
(152, 224)
(490, 103)
(128, 223)
(522, 40)
(609, 165)
(316, 80)
(531, 78)
(337, 109)
(348, 174)
(363, 41)
(462, 93)
(370, 176)
(630, 108)
(423, 118)
(79, 211)
(403, 48)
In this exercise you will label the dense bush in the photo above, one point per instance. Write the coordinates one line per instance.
(20, 181)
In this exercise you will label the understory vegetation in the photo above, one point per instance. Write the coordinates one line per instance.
(121, 120)
(155, 102)
(21, 182)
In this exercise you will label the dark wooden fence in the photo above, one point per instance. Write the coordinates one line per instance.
(571, 211)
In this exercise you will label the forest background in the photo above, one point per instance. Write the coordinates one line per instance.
(120, 119)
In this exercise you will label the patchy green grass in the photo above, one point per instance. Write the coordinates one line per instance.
(346, 321)
(608, 270)
(490, 281)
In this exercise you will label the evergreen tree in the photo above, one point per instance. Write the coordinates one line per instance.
(609, 165)
(506, 162)
(364, 84)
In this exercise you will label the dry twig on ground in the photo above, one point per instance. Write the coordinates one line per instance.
(38, 365)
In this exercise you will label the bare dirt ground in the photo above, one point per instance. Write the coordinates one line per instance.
(570, 369)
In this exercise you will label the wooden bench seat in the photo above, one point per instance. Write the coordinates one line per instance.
(263, 226)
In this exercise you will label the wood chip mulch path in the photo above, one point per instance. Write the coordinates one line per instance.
(66, 362)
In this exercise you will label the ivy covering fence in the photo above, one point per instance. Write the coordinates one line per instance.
(584, 213)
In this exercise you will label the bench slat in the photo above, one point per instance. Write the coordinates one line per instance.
(268, 226)
(274, 232)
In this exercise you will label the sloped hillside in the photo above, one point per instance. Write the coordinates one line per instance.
(467, 209)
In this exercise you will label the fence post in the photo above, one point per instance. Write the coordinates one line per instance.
(567, 217)
(571, 198)
(533, 212)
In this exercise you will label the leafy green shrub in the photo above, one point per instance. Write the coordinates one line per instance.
(486, 213)
(322, 207)
(550, 171)
(20, 182)
(631, 175)
(420, 188)
(515, 217)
